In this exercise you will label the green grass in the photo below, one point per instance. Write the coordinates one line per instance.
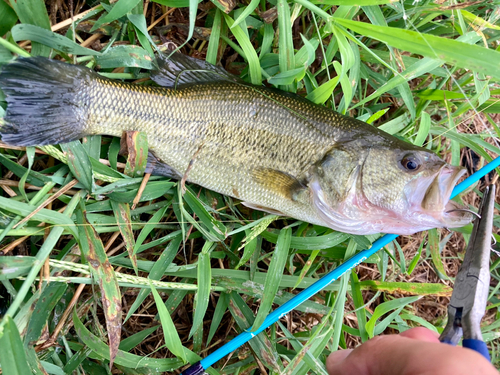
(186, 271)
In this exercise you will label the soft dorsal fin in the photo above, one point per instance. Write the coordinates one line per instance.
(176, 70)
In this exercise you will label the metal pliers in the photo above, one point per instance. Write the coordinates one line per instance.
(470, 293)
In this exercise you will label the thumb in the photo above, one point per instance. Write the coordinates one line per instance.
(417, 351)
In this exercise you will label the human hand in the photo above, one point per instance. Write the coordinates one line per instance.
(417, 351)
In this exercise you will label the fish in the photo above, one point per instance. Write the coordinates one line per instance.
(275, 151)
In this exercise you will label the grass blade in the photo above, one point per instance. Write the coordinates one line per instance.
(50, 39)
(93, 249)
(172, 340)
(120, 8)
(202, 296)
(33, 12)
(122, 216)
(12, 356)
(250, 54)
(50, 296)
(79, 163)
(274, 275)
(434, 249)
(138, 363)
(460, 54)
(384, 308)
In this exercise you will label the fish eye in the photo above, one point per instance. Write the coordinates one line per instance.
(411, 163)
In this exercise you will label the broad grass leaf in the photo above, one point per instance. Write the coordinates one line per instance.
(141, 28)
(216, 228)
(324, 92)
(353, 2)
(172, 339)
(260, 343)
(415, 259)
(306, 267)
(8, 18)
(463, 55)
(249, 51)
(220, 310)
(436, 94)
(473, 141)
(246, 12)
(150, 226)
(30, 154)
(15, 266)
(173, 3)
(249, 248)
(132, 341)
(50, 39)
(383, 309)
(157, 271)
(422, 322)
(130, 56)
(357, 299)
(44, 215)
(288, 77)
(202, 296)
(12, 356)
(120, 8)
(310, 243)
(124, 220)
(273, 278)
(33, 12)
(79, 163)
(123, 358)
(286, 51)
(51, 293)
(478, 21)
(423, 129)
(93, 250)
(153, 190)
(306, 356)
(435, 251)
(307, 54)
(214, 41)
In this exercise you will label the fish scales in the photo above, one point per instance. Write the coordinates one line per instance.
(229, 129)
(273, 150)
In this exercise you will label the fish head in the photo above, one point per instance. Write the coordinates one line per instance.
(381, 188)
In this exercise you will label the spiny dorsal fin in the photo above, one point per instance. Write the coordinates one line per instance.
(278, 182)
(179, 70)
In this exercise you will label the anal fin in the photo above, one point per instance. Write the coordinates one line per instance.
(158, 168)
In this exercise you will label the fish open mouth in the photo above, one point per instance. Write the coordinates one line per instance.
(436, 201)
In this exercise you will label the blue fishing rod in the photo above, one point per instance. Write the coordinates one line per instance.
(199, 367)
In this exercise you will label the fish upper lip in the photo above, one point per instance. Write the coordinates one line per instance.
(436, 200)
(438, 192)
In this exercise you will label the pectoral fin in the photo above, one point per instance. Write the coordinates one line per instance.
(279, 182)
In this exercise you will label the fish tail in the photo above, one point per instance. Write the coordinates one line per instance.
(43, 104)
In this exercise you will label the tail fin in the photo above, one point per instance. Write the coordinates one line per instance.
(43, 101)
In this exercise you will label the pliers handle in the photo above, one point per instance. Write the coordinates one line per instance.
(470, 293)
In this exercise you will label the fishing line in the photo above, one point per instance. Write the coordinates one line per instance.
(199, 367)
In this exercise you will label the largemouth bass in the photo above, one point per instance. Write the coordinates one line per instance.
(275, 151)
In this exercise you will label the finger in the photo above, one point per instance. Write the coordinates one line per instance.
(421, 333)
(397, 355)
(335, 358)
